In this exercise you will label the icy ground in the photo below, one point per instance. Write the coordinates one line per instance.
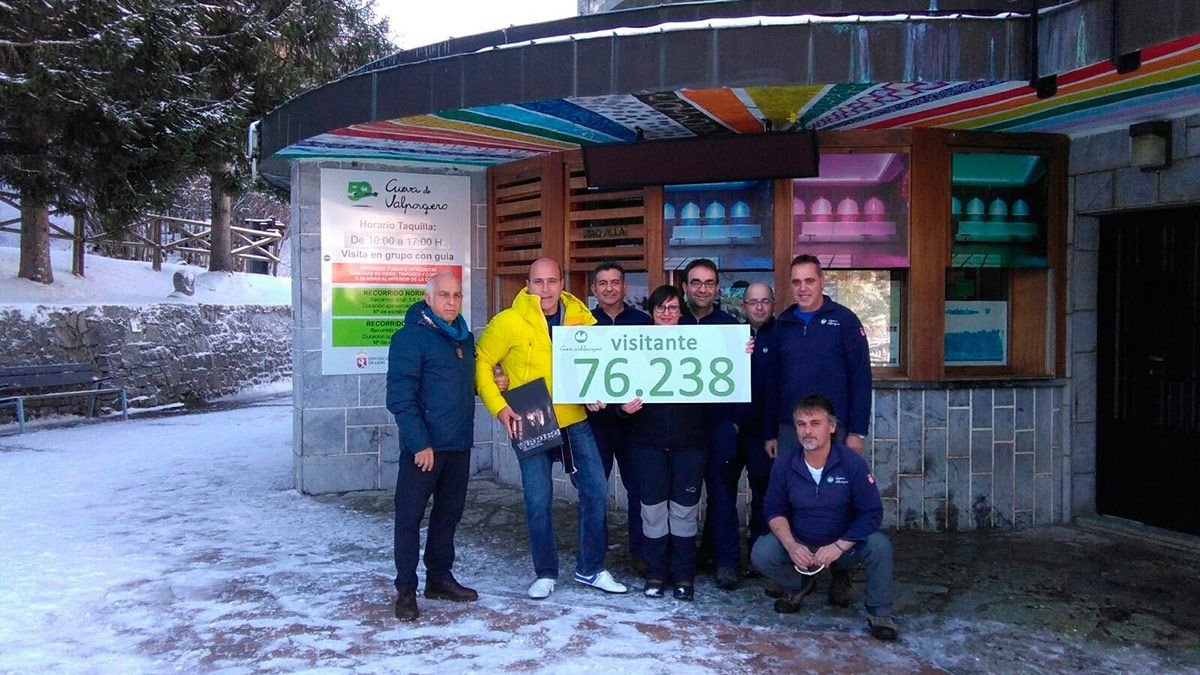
(177, 544)
(109, 281)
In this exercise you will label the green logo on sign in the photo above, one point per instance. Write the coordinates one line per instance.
(359, 189)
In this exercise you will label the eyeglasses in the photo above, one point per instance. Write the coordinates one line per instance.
(708, 283)
(764, 302)
(667, 309)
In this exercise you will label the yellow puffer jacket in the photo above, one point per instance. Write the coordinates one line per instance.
(517, 339)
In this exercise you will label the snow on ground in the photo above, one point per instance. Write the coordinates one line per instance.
(177, 543)
(109, 281)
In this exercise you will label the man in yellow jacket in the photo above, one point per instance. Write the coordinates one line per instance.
(518, 339)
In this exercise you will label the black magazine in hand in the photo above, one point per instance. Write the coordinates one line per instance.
(539, 426)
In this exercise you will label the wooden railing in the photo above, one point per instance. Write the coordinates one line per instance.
(157, 237)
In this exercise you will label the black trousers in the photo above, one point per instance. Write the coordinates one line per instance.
(447, 484)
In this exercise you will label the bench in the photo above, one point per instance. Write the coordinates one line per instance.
(81, 378)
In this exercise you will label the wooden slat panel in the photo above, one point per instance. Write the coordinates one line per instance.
(607, 214)
(578, 182)
(621, 195)
(518, 190)
(520, 240)
(527, 255)
(523, 206)
(652, 201)
(515, 224)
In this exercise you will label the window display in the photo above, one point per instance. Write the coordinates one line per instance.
(855, 213)
(998, 210)
(728, 223)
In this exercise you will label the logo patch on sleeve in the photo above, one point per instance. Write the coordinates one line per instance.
(862, 331)
(871, 479)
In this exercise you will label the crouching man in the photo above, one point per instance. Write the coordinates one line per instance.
(824, 511)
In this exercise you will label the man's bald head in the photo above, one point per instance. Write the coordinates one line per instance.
(546, 282)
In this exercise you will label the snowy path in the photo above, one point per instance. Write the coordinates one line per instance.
(177, 544)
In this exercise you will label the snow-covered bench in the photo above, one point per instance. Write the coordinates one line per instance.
(38, 379)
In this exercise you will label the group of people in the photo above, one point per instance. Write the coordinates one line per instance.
(814, 503)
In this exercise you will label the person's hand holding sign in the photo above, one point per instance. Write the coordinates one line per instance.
(595, 407)
(632, 407)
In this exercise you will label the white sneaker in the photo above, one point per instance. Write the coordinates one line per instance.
(541, 589)
(602, 580)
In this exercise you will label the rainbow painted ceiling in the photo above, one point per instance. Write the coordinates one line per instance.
(1089, 99)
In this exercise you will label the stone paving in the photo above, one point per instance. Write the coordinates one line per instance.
(1051, 598)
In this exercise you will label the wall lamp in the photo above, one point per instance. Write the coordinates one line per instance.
(1150, 145)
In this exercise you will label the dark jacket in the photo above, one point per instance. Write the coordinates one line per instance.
(750, 415)
(828, 356)
(630, 316)
(678, 426)
(431, 386)
(846, 505)
(717, 317)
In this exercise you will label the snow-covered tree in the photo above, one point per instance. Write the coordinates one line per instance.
(94, 112)
(257, 54)
(106, 105)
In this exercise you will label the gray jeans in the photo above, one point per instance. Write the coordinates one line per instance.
(770, 558)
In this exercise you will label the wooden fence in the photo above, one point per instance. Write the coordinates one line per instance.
(156, 237)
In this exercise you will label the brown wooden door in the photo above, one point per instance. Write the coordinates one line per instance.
(1148, 371)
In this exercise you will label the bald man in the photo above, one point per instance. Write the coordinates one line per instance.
(518, 339)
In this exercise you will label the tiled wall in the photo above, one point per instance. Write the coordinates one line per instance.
(956, 459)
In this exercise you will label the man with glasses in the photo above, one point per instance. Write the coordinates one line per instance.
(758, 304)
(610, 429)
(824, 511)
(702, 282)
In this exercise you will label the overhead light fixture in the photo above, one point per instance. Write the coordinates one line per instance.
(1150, 145)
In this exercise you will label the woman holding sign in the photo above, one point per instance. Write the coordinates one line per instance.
(669, 447)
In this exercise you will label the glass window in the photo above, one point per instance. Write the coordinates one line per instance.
(977, 317)
(875, 296)
(998, 210)
(855, 213)
(729, 223)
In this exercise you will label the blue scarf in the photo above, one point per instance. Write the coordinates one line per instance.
(457, 331)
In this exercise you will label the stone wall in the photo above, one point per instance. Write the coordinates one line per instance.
(343, 437)
(944, 457)
(162, 353)
(1102, 182)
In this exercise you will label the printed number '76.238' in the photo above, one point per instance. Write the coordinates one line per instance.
(616, 383)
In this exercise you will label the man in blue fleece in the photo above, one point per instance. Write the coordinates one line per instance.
(431, 393)
(824, 510)
(820, 348)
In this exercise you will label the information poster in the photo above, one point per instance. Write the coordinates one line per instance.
(383, 234)
(658, 364)
(976, 333)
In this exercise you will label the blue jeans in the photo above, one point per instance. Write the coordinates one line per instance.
(612, 441)
(589, 480)
(875, 554)
(721, 517)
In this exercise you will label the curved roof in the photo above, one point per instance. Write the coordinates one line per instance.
(569, 83)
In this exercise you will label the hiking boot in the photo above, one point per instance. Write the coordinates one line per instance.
(773, 589)
(654, 588)
(727, 578)
(449, 589)
(841, 591)
(791, 603)
(406, 606)
(684, 591)
(882, 627)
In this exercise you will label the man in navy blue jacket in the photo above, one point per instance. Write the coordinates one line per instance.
(431, 393)
(611, 430)
(824, 510)
(820, 348)
(703, 286)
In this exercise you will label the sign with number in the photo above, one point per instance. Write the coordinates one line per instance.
(658, 364)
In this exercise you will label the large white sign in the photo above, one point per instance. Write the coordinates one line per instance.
(383, 234)
(659, 364)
